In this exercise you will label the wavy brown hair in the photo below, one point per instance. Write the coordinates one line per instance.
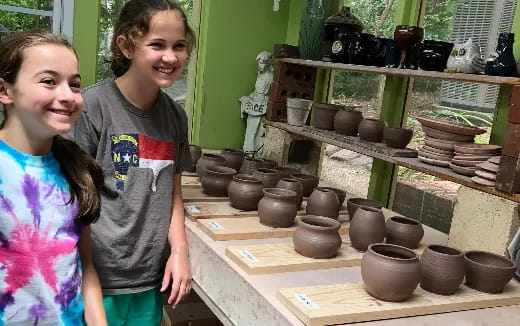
(83, 174)
(134, 21)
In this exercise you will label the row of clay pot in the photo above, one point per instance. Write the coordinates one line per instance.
(392, 273)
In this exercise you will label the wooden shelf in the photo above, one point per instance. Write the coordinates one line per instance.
(389, 155)
(460, 77)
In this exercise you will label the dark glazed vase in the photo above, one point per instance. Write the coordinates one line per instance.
(317, 237)
(323, 115)
(309, 182)
(277, 208)
(195, 153)
(234, 157)
(346, 122)
(294, 185)
(503, 63)
(433, 55)
(371, 130)
(269, 177)
(397, 137)
(323, 202)
(488, 272)
(391, 57)
(245, 191)
(367, 227)
(354, 203)
(340, 193)
(404, 231)
(285, 172)
(339, 30)
(390, 272)
(365, 49)
(207, 160)
(442, 269)
(249, 165)
(216, 179)
(406, 38)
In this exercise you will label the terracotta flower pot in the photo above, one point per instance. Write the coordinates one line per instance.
(442, 269)
(207, 160)
(269, 177)
(216, 179)
(346, 122)
(367, 227)
(294, 185)
(404, 231)
(323, 202)
(277, 208)
(390, 272)
(195, 153)
(488, 272)
(323, 115)
(245, 191)
(234, 157)
(340, 193)
(317, 237)
(249, 165)
(355, 202)
(397, 137)
(309, 182)
(297, 111)
(371, 130)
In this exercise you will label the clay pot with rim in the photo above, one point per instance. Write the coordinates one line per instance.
(294, 185)
(268, 164)
(269, 177)
(277, 208)
(234, 157)
(323, 202)
(346, 122)
(317, 237)
(442, 269)
(245, 191)
(367, 227)
(390, 272)
(207, 160)
(297, 111)
(195, 153)
(488, 272)
(216, 179)
(249, 165)
(323, 115)
(285, 171)
(397, 137)
(355, 202)
(309, 182)
(404, 231)
(340, 193)
(371, 130)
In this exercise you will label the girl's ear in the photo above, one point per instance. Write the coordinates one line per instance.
(5, 92)
(122, 44)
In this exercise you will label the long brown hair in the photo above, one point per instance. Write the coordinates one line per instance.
(83, 174)
(134, 21)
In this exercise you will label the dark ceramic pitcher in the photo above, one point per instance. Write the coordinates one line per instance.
(433, 55)
(365, 49)
(503, 62)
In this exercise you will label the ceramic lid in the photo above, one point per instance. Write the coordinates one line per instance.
(344, 17)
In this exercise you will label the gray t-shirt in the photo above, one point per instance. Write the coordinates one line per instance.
(139, 151)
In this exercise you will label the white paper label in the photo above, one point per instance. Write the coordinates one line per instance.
(306, 301)
(248, 256)
(215, 226)
(192, 209)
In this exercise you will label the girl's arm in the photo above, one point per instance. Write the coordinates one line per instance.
(178, 265)
(91, 289)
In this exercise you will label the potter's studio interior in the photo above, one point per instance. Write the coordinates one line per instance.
(340, 161)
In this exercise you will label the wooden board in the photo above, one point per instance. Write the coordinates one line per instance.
(222, 229)
(198, 210)
(196, 195)
(190, 182)
(349, 303)
(281, 258)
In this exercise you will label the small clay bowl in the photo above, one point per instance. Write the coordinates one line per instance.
(404, 231)
(397, 137)
(354, 203)
(309, 182)
(340, 193)
(488, 272)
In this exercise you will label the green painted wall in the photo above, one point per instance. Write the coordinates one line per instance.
(232, 33)
(293, 25)
(86, 30)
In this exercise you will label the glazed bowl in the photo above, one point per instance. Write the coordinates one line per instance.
(488, 272)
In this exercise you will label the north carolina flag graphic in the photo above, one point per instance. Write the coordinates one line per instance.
(140, 151)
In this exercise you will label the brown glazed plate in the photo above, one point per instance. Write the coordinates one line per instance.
(471, 157)
(437, 150)
(444, 135)
(466, 163)
(486, 175)
(444, 145)
(477, 149)
(464, 170)
(483, 181)
(433, 161)
(450, 127)
(487, 166)
(494, 159)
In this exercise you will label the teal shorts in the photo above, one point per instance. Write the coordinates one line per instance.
(135, 309)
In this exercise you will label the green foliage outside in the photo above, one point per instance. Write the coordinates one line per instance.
(16, 21)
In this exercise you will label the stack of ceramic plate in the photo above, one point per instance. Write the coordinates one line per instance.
(468, 156)
(486, 172)
(441, 136)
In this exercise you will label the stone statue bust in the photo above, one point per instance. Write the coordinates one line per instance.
(254, 106)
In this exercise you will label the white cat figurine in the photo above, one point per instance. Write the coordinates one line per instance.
(466, 58)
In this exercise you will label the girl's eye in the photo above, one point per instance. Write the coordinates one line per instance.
(48, 81)
(156, 45)
(180, 45)
(75, 85)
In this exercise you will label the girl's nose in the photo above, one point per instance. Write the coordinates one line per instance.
(65, 93)
(170, 56)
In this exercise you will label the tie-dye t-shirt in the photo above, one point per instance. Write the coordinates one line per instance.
(40, 270)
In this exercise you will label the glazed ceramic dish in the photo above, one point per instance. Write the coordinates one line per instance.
(433, 161)
(444, 135)
(471, 157)
(435, 156)
(465, 163)
(488, 166)
(437, 150)
(464, 170)
(477, 149)
(482, 181)
(450, 127)
(492, 176)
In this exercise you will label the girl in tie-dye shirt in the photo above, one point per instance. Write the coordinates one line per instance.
(48, 189)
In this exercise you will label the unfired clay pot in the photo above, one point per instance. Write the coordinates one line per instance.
(323, 115)
(317, 237)
(488, 272)
(234, 157)
(309, 182)
(340, 193)
(207, 160)
(390, 272)
(371, 130)
(346, 122)
(195, 153)
(442, 269)
(216, 179)
(323, 202)
(277, 208)
(355, 202)
(268, 164)
(269, 177)
(245, 191)
(249, 165)
(367, 227)
(397, 137)
(294, 185)
(404, 231)
(285, 172)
